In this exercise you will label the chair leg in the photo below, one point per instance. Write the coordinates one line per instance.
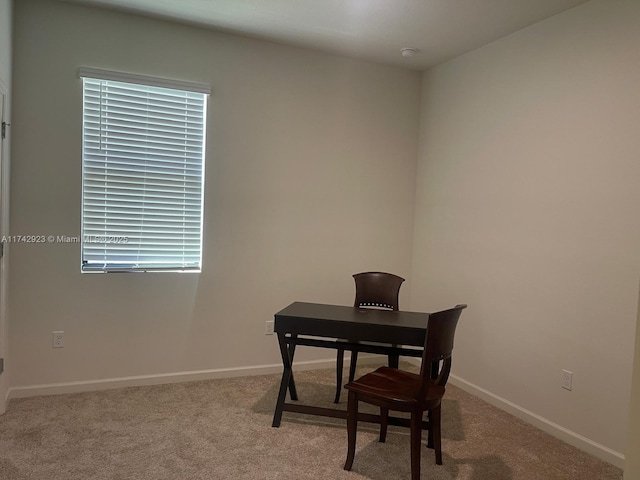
(394, 361)
(434, 426)
(352, 427)
(384, 422)
(353, 365)
(416, 435)
(430, 431)
(339, 366)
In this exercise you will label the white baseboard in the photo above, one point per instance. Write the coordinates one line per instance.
(4, 402)
(176, 377)
(158, 379)
(558, 431)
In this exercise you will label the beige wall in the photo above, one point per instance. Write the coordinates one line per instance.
(309, 178)
(632, 460)
(6, 22)
(527, 210)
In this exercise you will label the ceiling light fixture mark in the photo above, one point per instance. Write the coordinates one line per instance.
(408, 52)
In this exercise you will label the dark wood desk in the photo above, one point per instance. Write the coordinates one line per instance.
(299, 321)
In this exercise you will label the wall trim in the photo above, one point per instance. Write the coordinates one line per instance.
(176, 377)
(572, 438)
(4, 401)
(155, 379)
(544, 424)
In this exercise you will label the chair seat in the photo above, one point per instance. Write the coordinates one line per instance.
(397, 386)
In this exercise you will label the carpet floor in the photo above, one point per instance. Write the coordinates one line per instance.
(221, 429)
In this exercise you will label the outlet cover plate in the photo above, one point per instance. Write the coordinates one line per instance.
(58, 339)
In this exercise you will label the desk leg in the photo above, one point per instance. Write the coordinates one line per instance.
(287, 377)
(292, 385)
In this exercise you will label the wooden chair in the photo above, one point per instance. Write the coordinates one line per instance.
(392, 389)
(373, 290)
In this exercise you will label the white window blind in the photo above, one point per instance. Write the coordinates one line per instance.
(142, 175)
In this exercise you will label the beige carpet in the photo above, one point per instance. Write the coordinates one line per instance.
(221, 429)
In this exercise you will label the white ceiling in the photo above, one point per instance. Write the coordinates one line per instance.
(372, 29)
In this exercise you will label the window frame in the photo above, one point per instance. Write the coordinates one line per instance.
(91, 244)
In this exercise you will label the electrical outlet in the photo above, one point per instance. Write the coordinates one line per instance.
(58, 339)
(268, 327)
(567, 379)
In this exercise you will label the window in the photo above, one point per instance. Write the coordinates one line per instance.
(142, 173)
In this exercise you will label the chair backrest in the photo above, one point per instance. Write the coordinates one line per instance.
(438, 345)
(377, 289)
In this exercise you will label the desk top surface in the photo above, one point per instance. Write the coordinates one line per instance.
(341, 313)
